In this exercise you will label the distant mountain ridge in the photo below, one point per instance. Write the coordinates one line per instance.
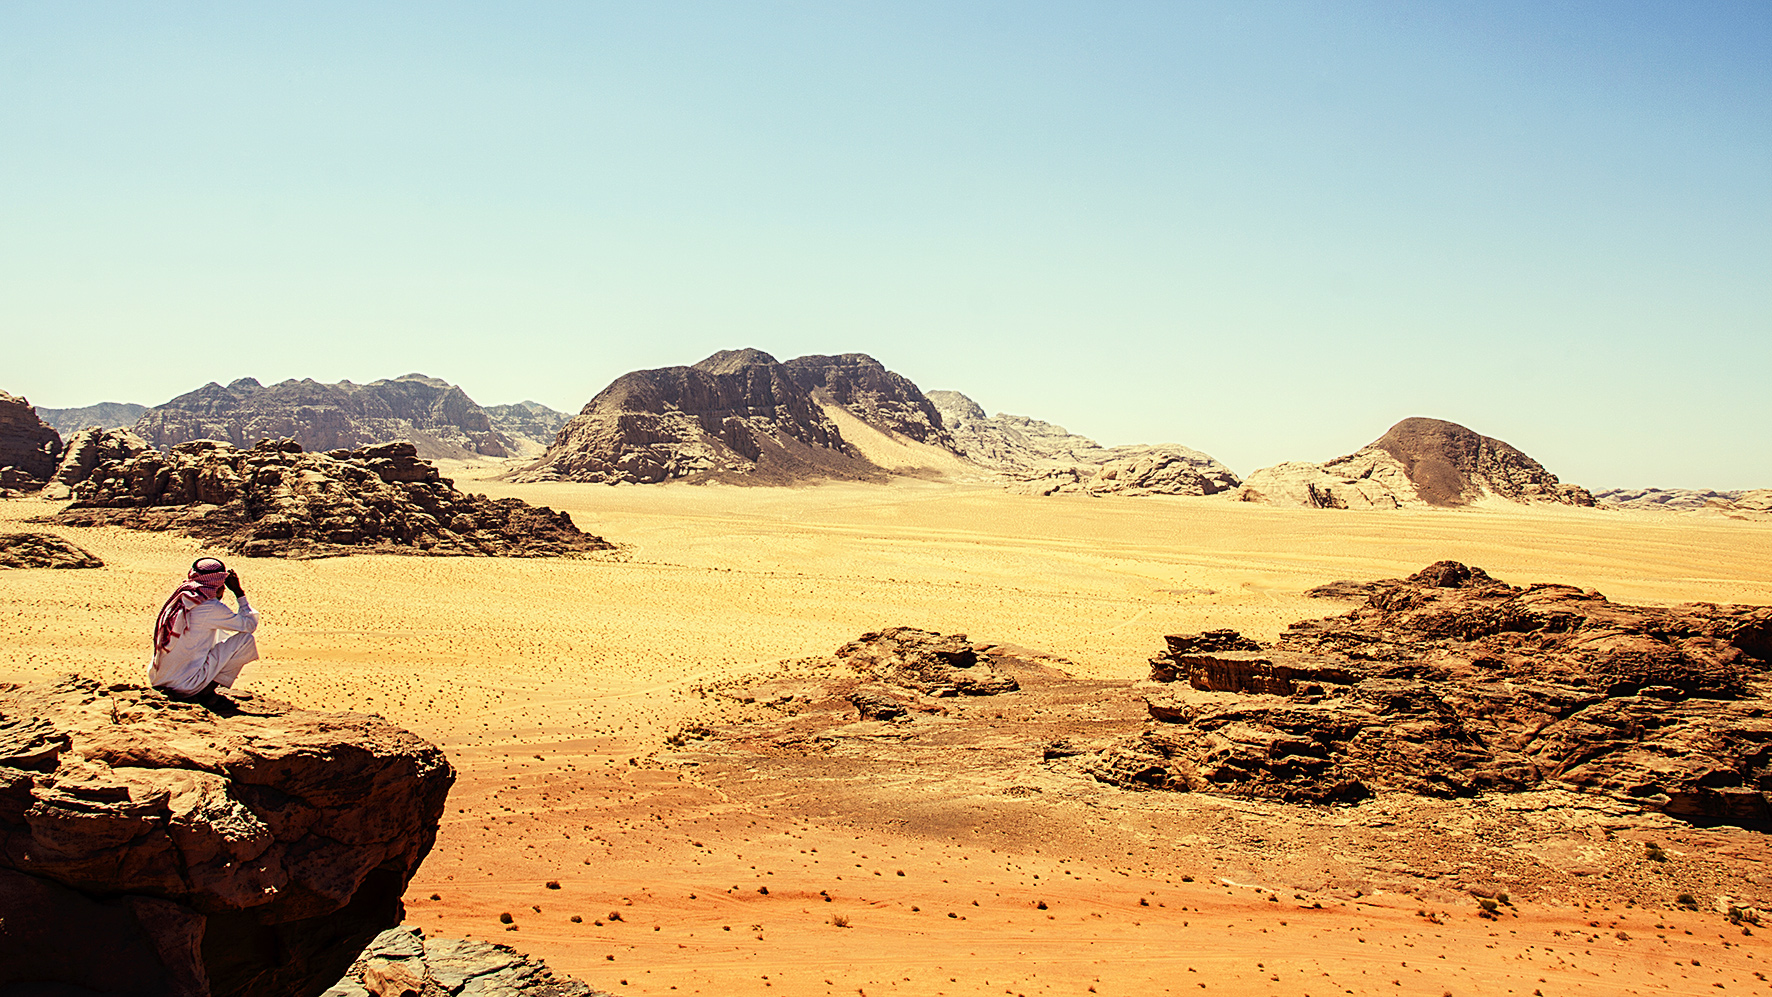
(1417, 462)
(105, 415)
(438, 417)
(530, 424)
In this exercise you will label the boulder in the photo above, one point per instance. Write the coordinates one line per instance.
(437, 417)
(931, 663)
(43, 550)
(402, 961)
(1451, 682)
(29, 448)
(244, 848)
(276, 500)
(1417, 462)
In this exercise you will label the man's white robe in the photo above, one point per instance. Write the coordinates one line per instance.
(201, 654)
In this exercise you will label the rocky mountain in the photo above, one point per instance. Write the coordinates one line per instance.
(29, 448)
(246, 848)
(1450, 683)
(739, 415)
(1418, 462)
(275, 500)
(1751, 503)
(1046, 459)
(531, 425)
(105, 415)
(438, 417)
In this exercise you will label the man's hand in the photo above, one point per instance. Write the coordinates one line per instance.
(233, 583)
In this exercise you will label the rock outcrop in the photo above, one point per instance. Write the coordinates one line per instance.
(43, 550)
(1418, 462)
(1752, 503)
(436, 416)
(250, 849)
(885, 400)
(29, 448)
(532, 426)
(737, 416)
(1450, 683)
(276, 500)
(1044, 459)
(104, 415)
(931, 663)
(86, 451)
(402, 961)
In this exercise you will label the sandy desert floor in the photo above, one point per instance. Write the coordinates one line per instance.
(923, 866)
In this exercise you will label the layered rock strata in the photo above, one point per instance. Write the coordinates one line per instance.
(276, 500)
(155, 847)
(1418, 462)
(1452, 683)
(435, 416)
(402, 961)
(43, 550)
(29, 448)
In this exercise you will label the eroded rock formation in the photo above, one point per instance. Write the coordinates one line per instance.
(155, 847)
(1449, 682)
(737, 416)
(276, 500)
(402, 961)
(931, 663)
(435, 416)
(1046, 459)
(104, 415)
(43, 550)
(86, 451)
(1418, 462)
(29, 448)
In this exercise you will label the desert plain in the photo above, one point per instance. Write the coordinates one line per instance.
(646, 830)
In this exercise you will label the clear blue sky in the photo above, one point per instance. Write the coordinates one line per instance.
(1265, 230)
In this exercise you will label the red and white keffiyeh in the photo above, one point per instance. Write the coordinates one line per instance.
(198, 588)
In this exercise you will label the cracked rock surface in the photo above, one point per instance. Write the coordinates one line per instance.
(245, 847)
(402, 962)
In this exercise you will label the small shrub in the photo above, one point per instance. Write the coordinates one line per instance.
(839, 921)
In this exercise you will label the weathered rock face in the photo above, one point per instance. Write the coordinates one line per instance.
(275, 500)
(1753, 503)
(90, 448)
(104, 415)
(736, 416)
(931, 663)
(436, 416)
(1418, 462)
(29, 449)
(882, 399)
(1045, 459)
(1449, 682)
(531, 425)
(43, 550)
(402, 961)
(168, 848)
(1166, 469)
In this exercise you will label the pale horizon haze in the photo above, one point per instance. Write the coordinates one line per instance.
(1266, 231)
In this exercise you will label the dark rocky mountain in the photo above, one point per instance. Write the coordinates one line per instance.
(1417, 462)
(532, 425)
(738, 415)
(29, 448)
(105, 415)
(873, 394)
(1450, 683)
(438, 417)
(274, 500)
(244, 848)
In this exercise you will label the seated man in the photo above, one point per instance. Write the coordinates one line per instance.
(191, 655)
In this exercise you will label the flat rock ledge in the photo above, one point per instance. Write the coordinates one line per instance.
(1451, 683)
(402, 962)
(277, 500)
(43, 550)
(246, 848)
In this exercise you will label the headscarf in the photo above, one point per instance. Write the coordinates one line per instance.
(202, 583)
